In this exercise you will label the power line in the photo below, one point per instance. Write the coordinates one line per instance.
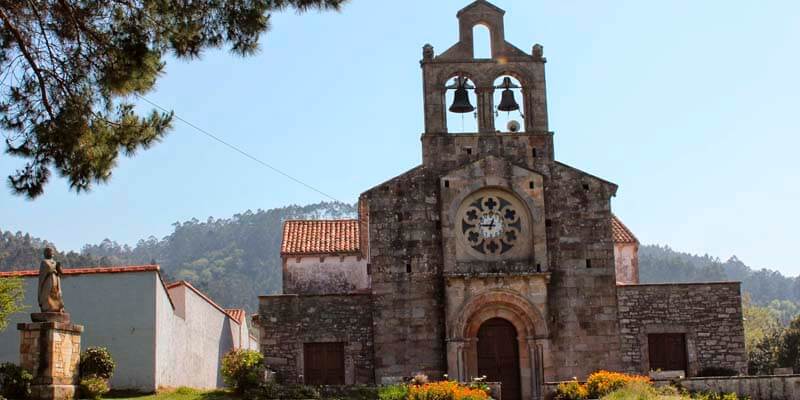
(236, 149)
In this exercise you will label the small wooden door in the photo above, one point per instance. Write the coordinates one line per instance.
(667, 351)
(498, 356)
(323, 363)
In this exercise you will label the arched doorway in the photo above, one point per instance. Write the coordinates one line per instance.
(498, 356)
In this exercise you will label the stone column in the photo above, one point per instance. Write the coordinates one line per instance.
(51, 350)
(485, 109)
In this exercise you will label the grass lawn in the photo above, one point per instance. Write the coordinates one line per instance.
(178, 394)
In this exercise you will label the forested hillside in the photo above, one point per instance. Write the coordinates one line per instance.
(661, 264)
(233, 260)
(237, 259)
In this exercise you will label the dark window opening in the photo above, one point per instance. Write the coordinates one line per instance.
(667, 351)
(469, 150)
(585, 186)
(548, 223)
(438, 225)
(534, 152)
(538, 267)
(369, 269)
(446, 183)
(531, 184)
(323, 363)
(588, 263)
(408, 268)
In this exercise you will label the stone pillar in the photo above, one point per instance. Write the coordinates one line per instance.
(51, 352)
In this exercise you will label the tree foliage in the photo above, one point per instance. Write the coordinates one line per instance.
(11, 296)
(68, 69)
(661, 264)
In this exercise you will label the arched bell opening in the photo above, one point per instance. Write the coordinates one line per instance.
(461, 105)
(481, 42)
(509, 105)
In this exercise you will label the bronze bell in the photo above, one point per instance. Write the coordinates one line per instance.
(461, 104)
(507, 101)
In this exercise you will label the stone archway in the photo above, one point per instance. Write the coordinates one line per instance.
(532, 338)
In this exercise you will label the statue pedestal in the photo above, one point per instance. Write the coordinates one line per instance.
(51, 351)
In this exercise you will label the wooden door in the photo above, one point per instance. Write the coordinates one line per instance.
(667, 351)
(498, 356)
(323, 363)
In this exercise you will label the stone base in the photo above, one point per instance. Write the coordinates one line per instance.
(51, 352)
(54, 392)
(50, 317)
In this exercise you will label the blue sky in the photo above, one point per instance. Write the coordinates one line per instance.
(691, 107)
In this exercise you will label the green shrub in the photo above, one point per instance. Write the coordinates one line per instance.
(93, 387)
(634, 391)
(275, 391)
(15, 382)
(572, 390)
(243, 370)
(393, 392)
(97, 362)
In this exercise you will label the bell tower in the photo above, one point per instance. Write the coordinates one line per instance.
(458, 64)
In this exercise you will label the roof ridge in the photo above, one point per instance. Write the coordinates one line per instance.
(88, 270)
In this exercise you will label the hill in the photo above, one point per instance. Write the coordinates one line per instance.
(237, 259)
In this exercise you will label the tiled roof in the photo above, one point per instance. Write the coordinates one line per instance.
(320, 237)
(620, 232)
(237, 315)
(86, 271)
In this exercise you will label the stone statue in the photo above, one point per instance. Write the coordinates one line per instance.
(50, 272)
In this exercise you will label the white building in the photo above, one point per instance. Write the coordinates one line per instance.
(159, 335)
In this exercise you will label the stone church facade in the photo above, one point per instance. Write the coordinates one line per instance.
(491, 258)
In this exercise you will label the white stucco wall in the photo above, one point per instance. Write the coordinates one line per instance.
(190, 349)
(117, 311)
(626, 262)
(326, 275)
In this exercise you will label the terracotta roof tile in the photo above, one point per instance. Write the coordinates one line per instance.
(87, 271)
(620, 232)
(312, 237)
(237, 315)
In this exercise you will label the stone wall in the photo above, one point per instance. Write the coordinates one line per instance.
(709, 314)
(786, 387)
(407, 286)
(288, 321)
(582, 299)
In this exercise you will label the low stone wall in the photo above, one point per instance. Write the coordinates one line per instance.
(781, 387)
(773, 387)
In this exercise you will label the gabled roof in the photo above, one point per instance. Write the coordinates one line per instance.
(86, 271)
(483, 3)
(237, 314)
(620, 232)
(204, 297)
(318, 237)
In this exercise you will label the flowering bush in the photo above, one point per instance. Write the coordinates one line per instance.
(445, 390)
(242, 369)
(571, 390)
(602, 383)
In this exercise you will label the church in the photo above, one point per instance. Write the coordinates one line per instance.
(491, 258)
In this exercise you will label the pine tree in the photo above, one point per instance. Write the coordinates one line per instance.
(68, 70)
